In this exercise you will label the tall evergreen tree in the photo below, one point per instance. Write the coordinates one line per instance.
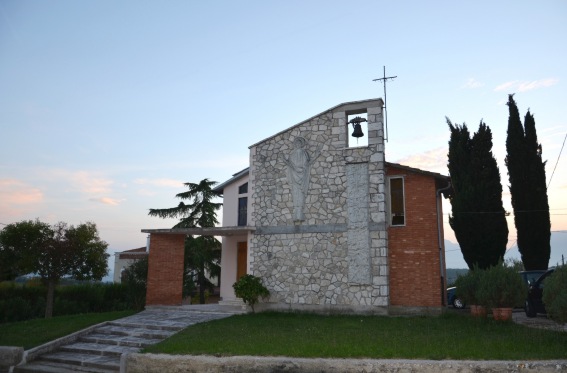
(478, 216)
(526, 172)
(203, 253)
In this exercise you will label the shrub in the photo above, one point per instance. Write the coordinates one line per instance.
(467, 286)
(501, 287)
(555, 295)
(135, 280)
(24, 302)
(250, 289)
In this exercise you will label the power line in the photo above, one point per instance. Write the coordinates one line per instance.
(559, 156)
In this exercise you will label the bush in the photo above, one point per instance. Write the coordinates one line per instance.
(501, 287)
(467, 286)
(555, 295)
(24, 302)
(135, 280)
(250, 289)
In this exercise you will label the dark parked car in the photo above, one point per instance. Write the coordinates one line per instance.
(534, 303)
(453, 299)
(529, 277)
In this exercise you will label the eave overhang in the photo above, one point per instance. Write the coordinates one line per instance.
(213, 231)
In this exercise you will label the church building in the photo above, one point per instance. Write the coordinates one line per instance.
(325, 222)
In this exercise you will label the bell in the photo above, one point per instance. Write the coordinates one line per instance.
(357, 130)
(356, 125)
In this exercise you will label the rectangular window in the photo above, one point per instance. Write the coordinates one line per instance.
(397, 205)
(242, 211)
(243, 189)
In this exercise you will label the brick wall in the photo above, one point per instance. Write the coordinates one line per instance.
(414, 249)
(165, 269)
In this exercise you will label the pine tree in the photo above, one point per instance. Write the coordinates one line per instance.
(478, 216)
(526, 172)
(203, 253)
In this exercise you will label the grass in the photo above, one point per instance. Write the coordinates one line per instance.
(32, 333)
(451, 336)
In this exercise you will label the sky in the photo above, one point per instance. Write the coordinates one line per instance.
(108, 107)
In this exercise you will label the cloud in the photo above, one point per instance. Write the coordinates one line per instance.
(160, 182)
(107, 201)
(472, 83)
(146, 192)
(434, 160)
(90, 184)
(17, 198)
(17, 192)
(525, 86)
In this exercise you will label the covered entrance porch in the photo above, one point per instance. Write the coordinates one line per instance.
(166, 261)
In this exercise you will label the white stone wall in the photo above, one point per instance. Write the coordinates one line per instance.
(337, 255)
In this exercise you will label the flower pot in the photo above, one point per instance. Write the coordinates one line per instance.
(478, 311)
(502, 314)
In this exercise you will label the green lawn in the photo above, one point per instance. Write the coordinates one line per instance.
(32, 333)
(451, 336)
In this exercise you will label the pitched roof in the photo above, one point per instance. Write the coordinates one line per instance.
(235, 177)
(348, 106)
(419, 171)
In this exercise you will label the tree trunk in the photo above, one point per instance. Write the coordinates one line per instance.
(50, 298)
(201, 276)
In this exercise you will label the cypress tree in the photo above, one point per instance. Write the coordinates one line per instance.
(478, 217)
(526, 172)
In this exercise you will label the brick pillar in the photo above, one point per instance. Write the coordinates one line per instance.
(165, 269)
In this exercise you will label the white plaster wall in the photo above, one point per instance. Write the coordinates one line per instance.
(120, 264)
(229, 243)
(230, 203)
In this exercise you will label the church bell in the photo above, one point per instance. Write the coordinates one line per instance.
(357, 128)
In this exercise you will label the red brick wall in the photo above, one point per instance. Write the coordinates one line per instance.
(165, 269)
(413, 249)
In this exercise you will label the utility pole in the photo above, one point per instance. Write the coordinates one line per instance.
(384, 79)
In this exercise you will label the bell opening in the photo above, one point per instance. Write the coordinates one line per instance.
(357, 130)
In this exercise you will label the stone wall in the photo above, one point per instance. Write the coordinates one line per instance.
(319, 213)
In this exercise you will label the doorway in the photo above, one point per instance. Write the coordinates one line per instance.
(241, 259)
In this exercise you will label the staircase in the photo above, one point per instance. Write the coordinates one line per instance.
(99, 350)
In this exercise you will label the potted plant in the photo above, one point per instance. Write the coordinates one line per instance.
(467, 288)
(502, 288)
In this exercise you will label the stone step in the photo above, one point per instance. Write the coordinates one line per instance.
(157, 325)
(119, 340)
(53, 367)
(83, 360)
(134, 332)
(98, 349)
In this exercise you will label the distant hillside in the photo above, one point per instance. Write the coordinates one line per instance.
(453, 273)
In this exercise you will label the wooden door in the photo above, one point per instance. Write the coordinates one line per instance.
(241, 259)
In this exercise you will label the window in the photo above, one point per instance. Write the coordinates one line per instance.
(243, 189)
(242, 211)
(397, 205)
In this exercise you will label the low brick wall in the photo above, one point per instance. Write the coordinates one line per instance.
(145, 363)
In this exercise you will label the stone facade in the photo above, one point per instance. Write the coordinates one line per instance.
(328, 228)
(322, 245)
